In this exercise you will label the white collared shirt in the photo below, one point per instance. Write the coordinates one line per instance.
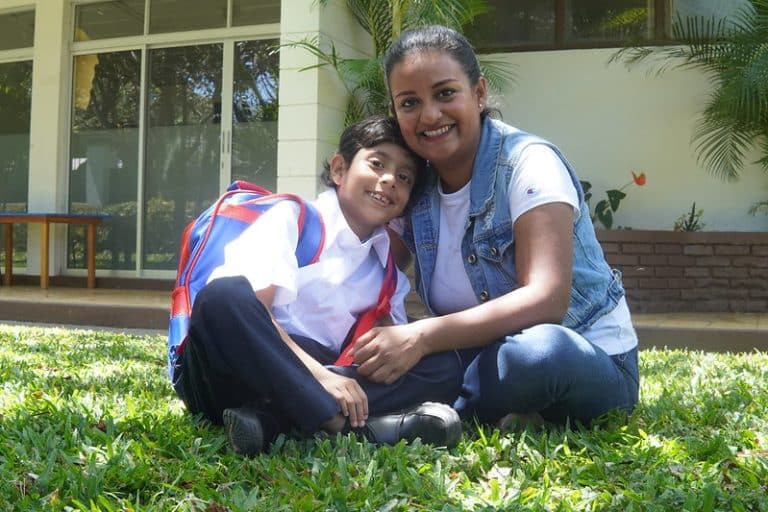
(320, 301)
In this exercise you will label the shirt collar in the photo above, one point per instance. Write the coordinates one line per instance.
(337, 229)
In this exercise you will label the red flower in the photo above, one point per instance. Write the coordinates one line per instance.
(639, 178)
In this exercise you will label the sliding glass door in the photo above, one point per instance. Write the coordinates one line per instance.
(157, 133)
(183, 145)
(15, 108)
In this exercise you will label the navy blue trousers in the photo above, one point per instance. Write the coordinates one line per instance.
(234, 355)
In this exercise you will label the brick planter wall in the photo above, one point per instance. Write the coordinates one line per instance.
(668, 271)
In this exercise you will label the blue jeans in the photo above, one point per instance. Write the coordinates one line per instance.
(548, 369)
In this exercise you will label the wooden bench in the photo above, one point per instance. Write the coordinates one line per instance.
(45, 220)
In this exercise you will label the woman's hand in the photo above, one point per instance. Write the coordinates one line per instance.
(386, 353)
(348, 394)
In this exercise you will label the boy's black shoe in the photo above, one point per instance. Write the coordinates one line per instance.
(435, 423)
(250, 429)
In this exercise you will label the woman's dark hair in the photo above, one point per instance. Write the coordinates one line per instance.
(434, 38)
(441, 39)
(368, 133)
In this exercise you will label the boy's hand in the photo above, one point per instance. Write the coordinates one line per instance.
(348, 394)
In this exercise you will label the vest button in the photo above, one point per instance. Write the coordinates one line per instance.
(484, 296)
(494, 251)
(472, 258)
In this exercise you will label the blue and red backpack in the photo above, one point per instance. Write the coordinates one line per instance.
(202, 250)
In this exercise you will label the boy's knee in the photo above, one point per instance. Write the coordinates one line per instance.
(222, 292)
(448, 371)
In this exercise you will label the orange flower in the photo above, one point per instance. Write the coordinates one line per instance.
(639, 178)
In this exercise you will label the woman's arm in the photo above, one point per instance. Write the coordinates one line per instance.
(543, 263)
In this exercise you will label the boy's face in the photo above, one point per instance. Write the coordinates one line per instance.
(374, 187)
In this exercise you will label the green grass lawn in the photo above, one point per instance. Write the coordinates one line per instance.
(88, 421)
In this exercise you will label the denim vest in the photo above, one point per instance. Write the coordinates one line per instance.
(487, 248)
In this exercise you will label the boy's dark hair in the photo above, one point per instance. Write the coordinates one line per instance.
(370, 132)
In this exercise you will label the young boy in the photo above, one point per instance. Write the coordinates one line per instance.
(264, 333)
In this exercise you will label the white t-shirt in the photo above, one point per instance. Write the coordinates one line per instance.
(539, 178)
(320, 301)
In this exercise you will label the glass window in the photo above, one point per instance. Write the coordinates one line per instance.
(15, 105)
(504, 25)
(183, 147)
(104, 152)
(179, 15)
(552, 24)
(606, 20)
(254, 113)
(17, 30)
(116, 18)
(707, 8)
(250, 12)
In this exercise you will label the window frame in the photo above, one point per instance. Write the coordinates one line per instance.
(661, 29)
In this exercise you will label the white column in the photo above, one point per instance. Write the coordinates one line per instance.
(48, 125)
(312, 102)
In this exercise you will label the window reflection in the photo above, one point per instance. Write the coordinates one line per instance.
(15, 105)
(104, 155)
(254, 113)
(182, 147)
(607, 20)
(17, 30)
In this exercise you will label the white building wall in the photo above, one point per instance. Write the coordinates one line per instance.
(312, 101)
(610, 121)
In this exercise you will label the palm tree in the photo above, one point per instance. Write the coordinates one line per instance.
(384, 20)
(733, 53)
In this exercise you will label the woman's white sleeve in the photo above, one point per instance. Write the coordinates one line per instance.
(540, 178)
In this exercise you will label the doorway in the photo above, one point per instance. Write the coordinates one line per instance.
(158, 133)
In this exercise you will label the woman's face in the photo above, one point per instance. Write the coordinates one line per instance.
(438, 109)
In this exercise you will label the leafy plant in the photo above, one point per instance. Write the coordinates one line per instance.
(605, 208)
(690, 221)
(733, 53)
(384, 20)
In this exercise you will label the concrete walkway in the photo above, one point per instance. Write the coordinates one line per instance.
(148, 310)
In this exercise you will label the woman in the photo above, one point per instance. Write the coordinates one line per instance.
(506, 254)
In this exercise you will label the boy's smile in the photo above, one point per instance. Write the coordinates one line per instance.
(374, 187)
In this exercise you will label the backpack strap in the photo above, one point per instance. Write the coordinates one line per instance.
(369, 318)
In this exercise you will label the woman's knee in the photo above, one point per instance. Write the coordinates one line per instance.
(543, 349)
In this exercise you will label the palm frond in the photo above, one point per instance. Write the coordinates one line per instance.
(763, 162)
(499, 74)
(452, 13)
(383, 20)
(733, 53)
(721, 146)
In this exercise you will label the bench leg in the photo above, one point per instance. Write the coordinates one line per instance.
(44, 240)
(91, 255)
(8, 254)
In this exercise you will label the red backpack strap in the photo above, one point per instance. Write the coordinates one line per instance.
(369, 318)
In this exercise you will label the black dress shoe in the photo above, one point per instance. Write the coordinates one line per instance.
(250, 429)
(434, 423)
